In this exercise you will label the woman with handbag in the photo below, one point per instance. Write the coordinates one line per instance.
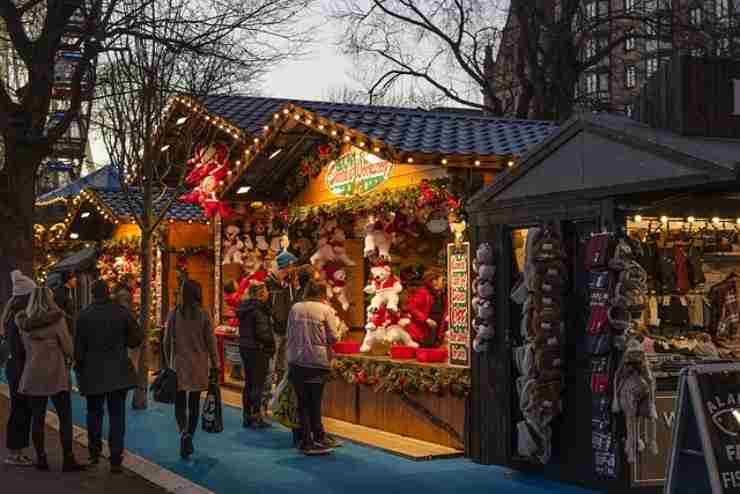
(46, 373)
(190, 341)
(19, 419)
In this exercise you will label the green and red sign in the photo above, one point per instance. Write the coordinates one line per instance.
(357, 172)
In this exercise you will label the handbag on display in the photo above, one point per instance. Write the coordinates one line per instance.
(164, 386)
(213, 412)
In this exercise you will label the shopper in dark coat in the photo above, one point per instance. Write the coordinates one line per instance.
(257, 346)
(19, 419)
(104, 333)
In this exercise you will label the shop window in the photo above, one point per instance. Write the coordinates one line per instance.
(630, 76)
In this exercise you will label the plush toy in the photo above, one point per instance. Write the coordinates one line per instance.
(331, 246)
(276, 235)
(336, 281)
(634, 395)
(384, 287)
(484, 254)
(336, 240)
(260, 237)
(232, 245)
(209, 202)
(246, 237)
(204, 161)
(483, 288)
(385, 326)
(377, 240)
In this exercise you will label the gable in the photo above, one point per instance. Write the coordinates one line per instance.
(589, 161)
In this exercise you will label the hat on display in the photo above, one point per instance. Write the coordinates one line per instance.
(285, 259)
(22, 284)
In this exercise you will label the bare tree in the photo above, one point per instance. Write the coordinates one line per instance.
(34, 32)
(411, 98)
(444, 46)
(179, 54)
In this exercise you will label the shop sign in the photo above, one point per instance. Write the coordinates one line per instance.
(458, 296)
(649, 469)
(705, 456)
(357, 172)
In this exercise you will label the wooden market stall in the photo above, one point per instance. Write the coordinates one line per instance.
(355, 194)
(603, 182)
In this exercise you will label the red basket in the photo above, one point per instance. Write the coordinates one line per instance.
(431, 355)
(347, 347)
(403, 352)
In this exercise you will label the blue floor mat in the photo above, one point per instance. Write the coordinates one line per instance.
(243, 460)
(247, 461)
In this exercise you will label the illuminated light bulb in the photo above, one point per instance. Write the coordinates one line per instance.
(297, 117)
(321, 127)
(664, 219)
(266, 128)
(691, 219)
(510, 163)
(190, 221)
(74, 236)
(715, 220)
(238, 163)
(165, 147)
(410, 159)
(333, 132)
(286, 111)
(347, 138)
(181, 120)
(477, 162)
(256, 141)
(244, 189)
(276, 116)
(376, 149)
(228, 173)
(85, 215)
(362, 144)
(444, 161)
(738, 221)
(309, 121)
(208, 119)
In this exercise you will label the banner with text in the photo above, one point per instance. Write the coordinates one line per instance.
(458, 296)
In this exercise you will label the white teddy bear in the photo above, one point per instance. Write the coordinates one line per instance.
(385, 326)
(331, 246)
(232, 245)
(385, 288)
(377, 240)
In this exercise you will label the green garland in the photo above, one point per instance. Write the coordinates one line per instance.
(393, 377)
(428, 194)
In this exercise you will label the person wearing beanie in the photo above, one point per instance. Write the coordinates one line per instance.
(283, 288)
(257, 347)
(19, 419)
(104, 333)
(48, 348)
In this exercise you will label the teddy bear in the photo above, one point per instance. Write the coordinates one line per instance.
(483, 288)
(485, 310)
(384, 325)
(232, 245)
(385, 288)
(246, 237)
(377, 240)
(484, 254)
(336, 240)
(331, 246)
(487, 272)
(260, 237)
(336, 280)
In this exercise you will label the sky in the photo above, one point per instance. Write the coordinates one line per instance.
(311, 77)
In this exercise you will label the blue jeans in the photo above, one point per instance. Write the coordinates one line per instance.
(116, 401)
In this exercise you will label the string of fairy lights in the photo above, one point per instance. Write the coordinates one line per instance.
(310, 119)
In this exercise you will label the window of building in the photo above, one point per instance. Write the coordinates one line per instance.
(629, 5)
(721, 9)
(696, 52)
(651, 66)
(589, 50)
(695, 16)
(590, 10)
(604, 85)
(592, 83)
(629, 43)
(722, 46)
(630, 76)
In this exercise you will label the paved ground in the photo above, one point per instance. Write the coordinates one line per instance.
(97, 479)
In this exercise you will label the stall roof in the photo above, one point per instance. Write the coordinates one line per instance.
(407, 130)
(602, 155)
(117, 203)
(106, 178)
(79, 261)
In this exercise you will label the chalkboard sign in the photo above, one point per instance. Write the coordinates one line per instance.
(706, 440)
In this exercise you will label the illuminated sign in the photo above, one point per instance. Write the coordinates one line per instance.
(357, 172)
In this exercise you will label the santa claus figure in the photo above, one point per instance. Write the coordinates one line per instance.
(427, 310)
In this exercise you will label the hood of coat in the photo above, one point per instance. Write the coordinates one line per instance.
(250, 305)
(41, 326)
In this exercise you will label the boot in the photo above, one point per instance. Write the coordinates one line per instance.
(42, 463)
(70, 464)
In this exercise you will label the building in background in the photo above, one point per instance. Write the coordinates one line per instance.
(71, 156)
(643, 35)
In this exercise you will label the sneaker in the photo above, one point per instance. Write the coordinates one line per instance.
(314, 450)
(19, 461)
(329, 442)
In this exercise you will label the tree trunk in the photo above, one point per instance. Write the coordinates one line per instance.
(140, 401)
(17, 199)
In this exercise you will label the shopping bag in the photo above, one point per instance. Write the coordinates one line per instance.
(213, 414)
(164, 386)
(285, 405)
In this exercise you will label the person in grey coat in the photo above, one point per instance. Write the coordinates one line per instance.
(105, 331)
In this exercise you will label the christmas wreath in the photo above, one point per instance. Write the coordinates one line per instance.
(393, 377)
